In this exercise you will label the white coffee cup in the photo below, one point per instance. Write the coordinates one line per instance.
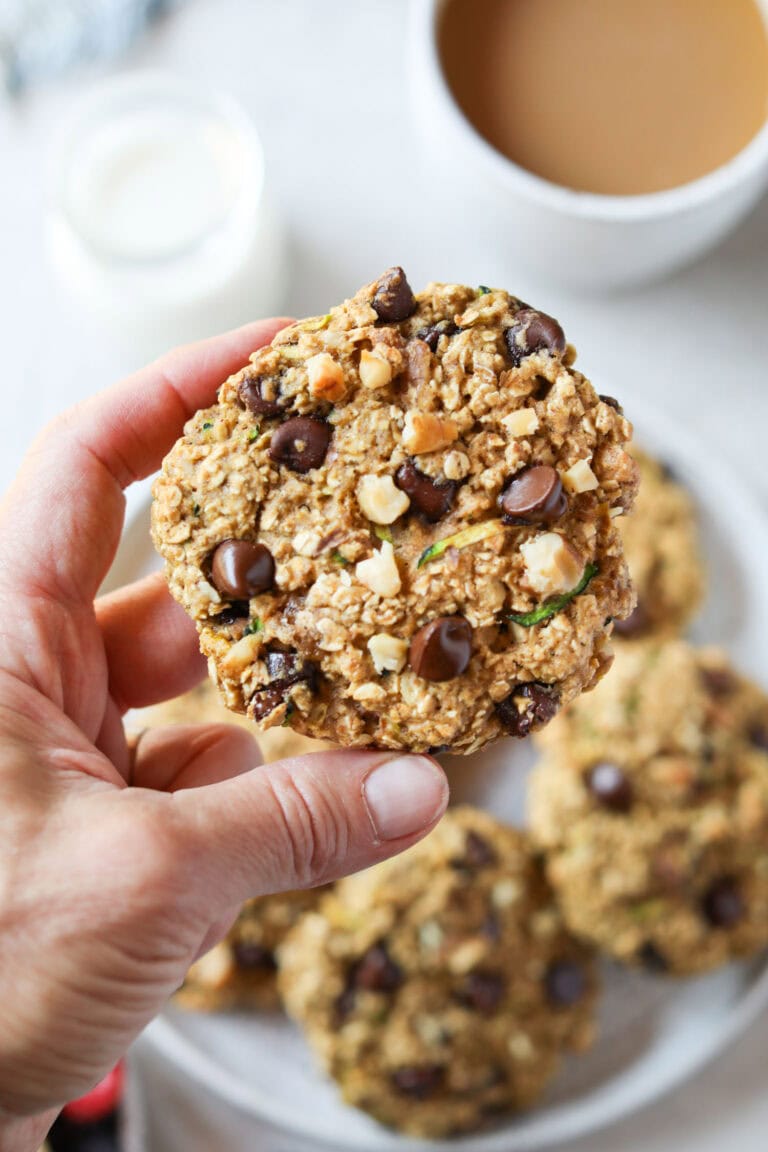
(582, 239)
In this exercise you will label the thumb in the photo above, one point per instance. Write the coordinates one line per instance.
(304, 821)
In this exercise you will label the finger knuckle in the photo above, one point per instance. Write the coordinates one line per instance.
(315, 832)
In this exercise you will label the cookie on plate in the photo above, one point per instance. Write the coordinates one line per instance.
(661, 544)
(440, 988)
(397, 525)
(651, 806)
(241, 970)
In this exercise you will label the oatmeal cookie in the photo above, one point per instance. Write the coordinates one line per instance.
(661, 544)
(440, 988)
(397, 525)
(651, 806)
(241, 970)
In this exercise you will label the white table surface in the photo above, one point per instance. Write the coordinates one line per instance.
(327, 86)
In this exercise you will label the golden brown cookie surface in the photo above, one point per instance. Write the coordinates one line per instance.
(241, 970)
(651, 805)
(663, 553)
(397, 526)
(440, 988)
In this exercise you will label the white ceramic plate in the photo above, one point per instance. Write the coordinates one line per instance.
(653, 1033)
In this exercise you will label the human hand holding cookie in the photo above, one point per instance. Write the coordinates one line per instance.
(118, 861)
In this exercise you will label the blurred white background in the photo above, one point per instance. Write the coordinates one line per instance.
(327, 87)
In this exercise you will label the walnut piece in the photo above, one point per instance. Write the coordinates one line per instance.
(380, 499)
(552, 563)
(425, 432)
(523, 422)
(580, 478)
(375, 372)
(326, 377)
(387, 652)
(241, 655)
(379, 572)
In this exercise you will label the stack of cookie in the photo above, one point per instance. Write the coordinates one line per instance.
(439, 989)
(661, 545)
(650, 801)
(403, 524)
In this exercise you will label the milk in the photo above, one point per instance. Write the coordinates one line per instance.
(161, 226)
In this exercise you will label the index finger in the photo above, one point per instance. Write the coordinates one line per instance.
(61, 519)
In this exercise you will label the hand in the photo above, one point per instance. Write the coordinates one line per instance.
(118, 869)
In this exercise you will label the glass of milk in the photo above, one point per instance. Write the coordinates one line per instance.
(161, 225)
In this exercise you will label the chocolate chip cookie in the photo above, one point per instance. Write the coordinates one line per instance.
(397, 526)
(661, 544)
(651, 805)
(440, 988)
(241, 970)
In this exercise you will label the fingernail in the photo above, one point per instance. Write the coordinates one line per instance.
(404, 795)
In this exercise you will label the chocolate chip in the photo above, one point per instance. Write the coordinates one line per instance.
(281, 665)
(479, 853)
(542, 388)
(251, 393)
(565, 983)
(528, 707)
(531, 332)
(491, 928)
(345, 1004)
(419, 1081)
(718, 681)
(376, 971)
(482, 991)
(265, 700)
(758, 736)
(432, 334)
(534, 496)
(610, 787)
(240, 569)
(237, 610)
(441, 649)
(430, 497)
(393, 299)
(723, 904)
(609, 400)
(651, 958)
(301, 443)
(253, 957)
(635, 624)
